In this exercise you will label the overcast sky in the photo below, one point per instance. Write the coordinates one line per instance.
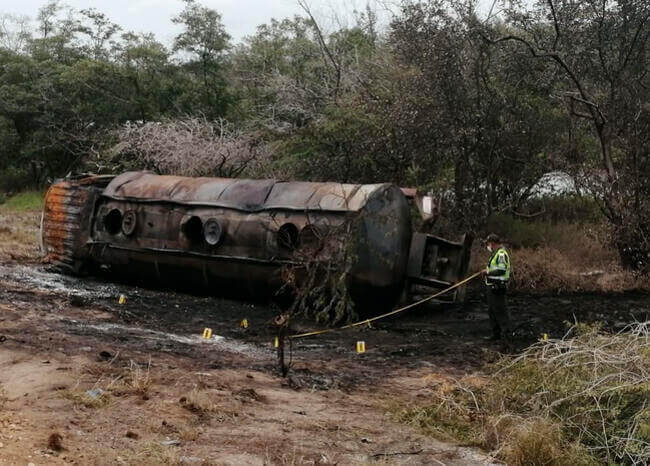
(240, 17)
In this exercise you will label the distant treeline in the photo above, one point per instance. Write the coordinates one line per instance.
(473, 106)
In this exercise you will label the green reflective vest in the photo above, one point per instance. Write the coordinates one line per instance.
(498, 268)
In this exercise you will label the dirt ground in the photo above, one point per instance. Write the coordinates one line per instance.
(86, 380)
(164, 395)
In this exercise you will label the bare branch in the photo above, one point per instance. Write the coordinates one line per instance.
(191, 147)
(556, 25)
(337, 67)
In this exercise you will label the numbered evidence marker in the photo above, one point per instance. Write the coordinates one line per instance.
(207, 333)
(244, 323)
(122, 299)
(361, 347)
(276, 342)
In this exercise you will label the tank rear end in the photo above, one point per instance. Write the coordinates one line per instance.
(66, 220)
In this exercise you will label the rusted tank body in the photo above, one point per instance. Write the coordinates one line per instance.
(233, 236)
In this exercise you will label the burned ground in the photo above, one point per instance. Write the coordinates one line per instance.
(86, 380)
(162, 394)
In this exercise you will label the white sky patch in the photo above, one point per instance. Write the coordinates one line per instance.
(240, 17)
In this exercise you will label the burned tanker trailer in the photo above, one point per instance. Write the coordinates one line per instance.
(235, 237)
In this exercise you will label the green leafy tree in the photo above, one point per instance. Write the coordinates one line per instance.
(205, 42)
(466, 121)
(98, 31)
(279, 73)
(151, 81)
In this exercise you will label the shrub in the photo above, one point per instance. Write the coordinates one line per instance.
(14, 179)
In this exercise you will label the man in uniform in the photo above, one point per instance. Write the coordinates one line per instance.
(497, 275)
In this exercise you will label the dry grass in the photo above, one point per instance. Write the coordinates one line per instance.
(19, 235)
(536, 441)
(132, 380)
(82, 398)
(583, 399)
(548, 269)
(101, 370)
(294, 457)
(198, 402)
(203, 403)
(570, 258)
(111, 380)
(138, 380)
(189, 433)
(248, 394)
(153, 454)
(3, 397)
(19, 226)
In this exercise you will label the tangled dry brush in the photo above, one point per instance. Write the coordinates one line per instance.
(582, 399)
(189, 147)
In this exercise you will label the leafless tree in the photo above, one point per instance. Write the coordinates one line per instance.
(191, 147)
(15, 32)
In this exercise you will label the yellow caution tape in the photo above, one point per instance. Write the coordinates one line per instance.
(361, 347)
(122, 299)
(396, 311)
(207, 333)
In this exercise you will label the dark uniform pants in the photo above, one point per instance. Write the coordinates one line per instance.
(498, 311)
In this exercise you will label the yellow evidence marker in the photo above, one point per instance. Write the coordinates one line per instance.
(207, 333)
(276, 342)
(122, 299)
(244, 323)
(361, 347)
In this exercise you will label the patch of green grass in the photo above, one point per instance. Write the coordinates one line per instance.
(25, 201)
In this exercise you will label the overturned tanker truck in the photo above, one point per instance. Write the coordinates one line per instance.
(233, 236)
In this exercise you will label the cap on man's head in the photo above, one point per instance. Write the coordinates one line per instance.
(492, 238)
